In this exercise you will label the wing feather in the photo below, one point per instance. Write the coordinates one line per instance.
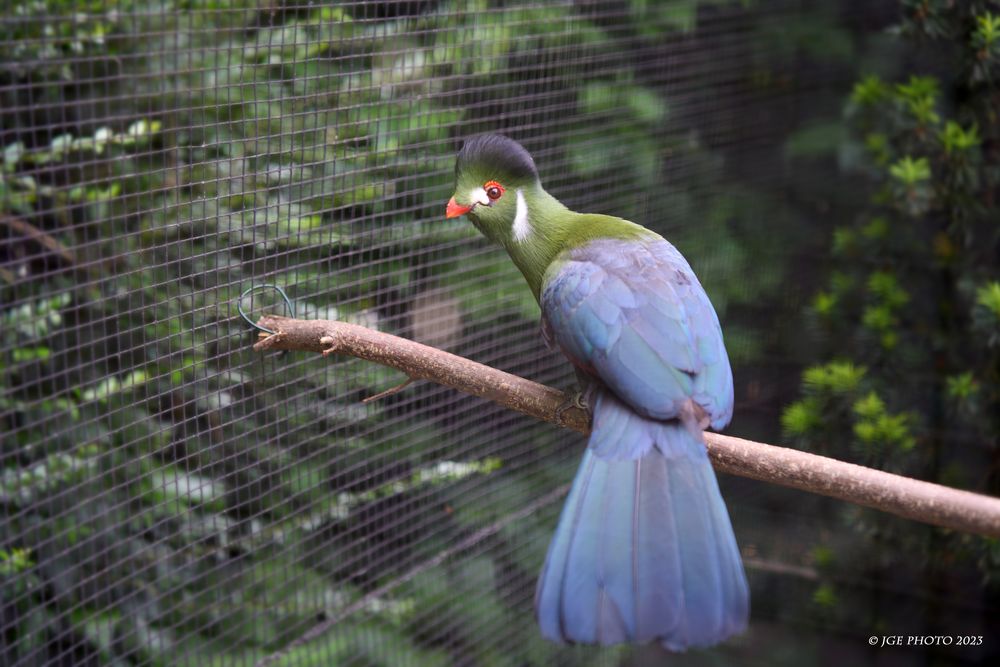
(634, 312)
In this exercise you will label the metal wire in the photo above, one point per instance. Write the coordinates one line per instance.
(250, 290)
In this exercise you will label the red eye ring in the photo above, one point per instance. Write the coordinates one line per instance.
(493, 190)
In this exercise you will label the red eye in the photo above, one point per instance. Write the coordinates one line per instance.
(493, 190)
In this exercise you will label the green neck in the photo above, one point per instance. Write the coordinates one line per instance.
(555, 229)
(551, 223)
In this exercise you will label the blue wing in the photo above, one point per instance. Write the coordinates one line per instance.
(634, 314)
(644, 548)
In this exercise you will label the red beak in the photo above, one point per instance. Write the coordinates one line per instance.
(455, 209)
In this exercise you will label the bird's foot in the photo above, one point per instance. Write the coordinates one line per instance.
(578, 399)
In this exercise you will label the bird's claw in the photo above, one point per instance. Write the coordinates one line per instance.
(579, 400)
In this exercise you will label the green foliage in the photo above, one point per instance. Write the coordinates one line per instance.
(802, 417)
(823, 557)
(825, 596)
(988, 296)
(957, 140)
(962, 387)
(874, 427)
(910, 172)
(986, 38)
(14, 562)
(836, 377)
(911, 308)
(869, 91)
(220, 145)
(835, 396)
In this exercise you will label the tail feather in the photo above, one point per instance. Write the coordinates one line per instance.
(644, 549)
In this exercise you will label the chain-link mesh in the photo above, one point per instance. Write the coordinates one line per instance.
(170, 497)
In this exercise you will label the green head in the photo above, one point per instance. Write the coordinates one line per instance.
(494, 180)
(497, 186)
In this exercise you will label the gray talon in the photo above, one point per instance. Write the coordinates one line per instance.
(578, 400)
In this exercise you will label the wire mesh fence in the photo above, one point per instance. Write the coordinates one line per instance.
(171, 498)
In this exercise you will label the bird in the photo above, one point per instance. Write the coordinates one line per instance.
(644, 549)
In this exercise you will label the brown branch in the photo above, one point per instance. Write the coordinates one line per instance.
(43, 238)
(421, 362)
(905, 497)
(388, 392)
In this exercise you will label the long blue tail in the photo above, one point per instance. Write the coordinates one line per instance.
(644, 549)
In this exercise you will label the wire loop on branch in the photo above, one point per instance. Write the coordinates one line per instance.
(250, 290)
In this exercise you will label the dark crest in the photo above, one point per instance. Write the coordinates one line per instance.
(499, 154)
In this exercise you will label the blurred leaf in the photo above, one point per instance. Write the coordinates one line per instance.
(910, 171)
(988, 296)
(838, 377)
(813, 141)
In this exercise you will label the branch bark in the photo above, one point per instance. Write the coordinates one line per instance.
(909, 498)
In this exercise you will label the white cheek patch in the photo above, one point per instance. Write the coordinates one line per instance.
(478, 196)
(522, 226)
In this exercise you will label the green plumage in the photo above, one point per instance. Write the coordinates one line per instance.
(554, 228)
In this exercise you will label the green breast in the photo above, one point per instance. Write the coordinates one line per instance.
(555, 236)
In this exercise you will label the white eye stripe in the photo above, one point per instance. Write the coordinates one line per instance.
(522, 226)
(479, 196)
